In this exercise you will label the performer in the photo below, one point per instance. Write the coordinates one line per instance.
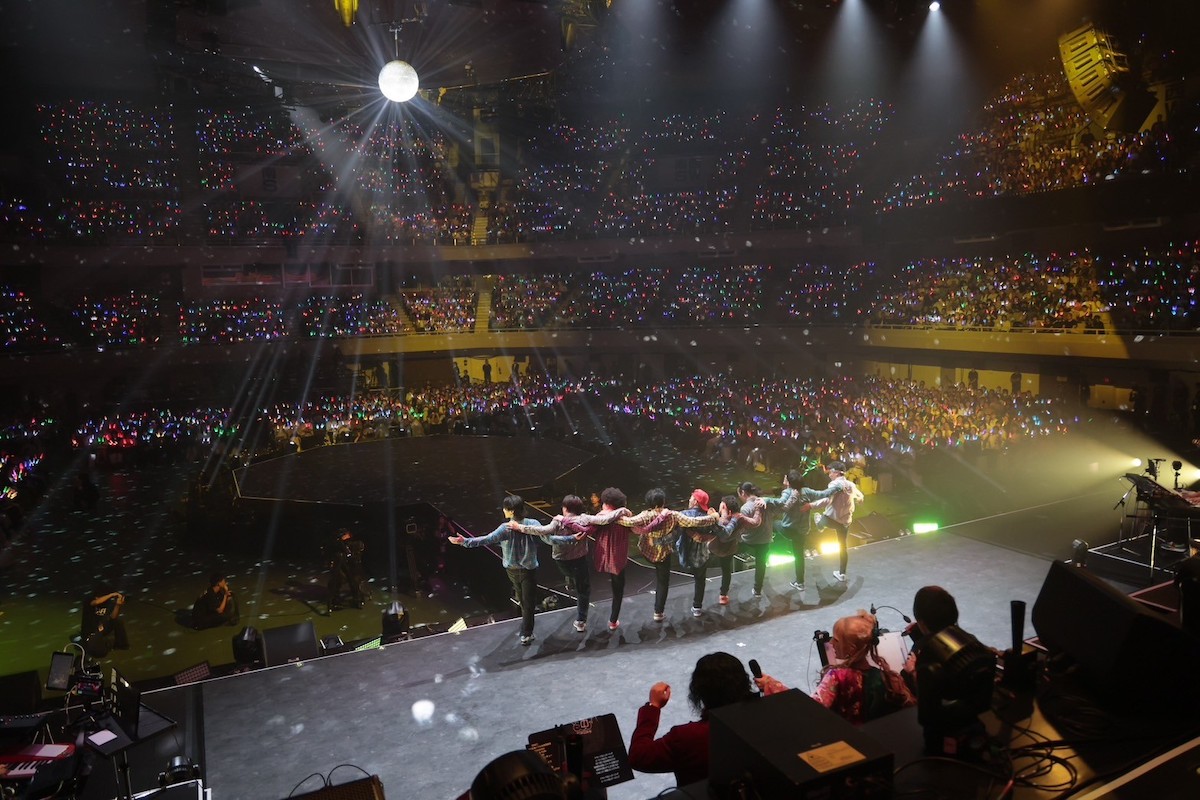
(217, 606)
(611, 553)
(569, 552)
(103, 630)
(655, 528)
(755, 536)
(694, 546)
(519, 556)
(719, 679)
(345, 565)
(856, 688)
(838, 509)
(795, 504)
(725, 546)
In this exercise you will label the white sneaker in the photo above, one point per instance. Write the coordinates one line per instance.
(659, 616)
(697, 611)
(798, 586)
(839, 576)
(527, 640)
(580, 625)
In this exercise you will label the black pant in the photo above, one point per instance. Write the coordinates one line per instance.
(759, 551)
(799, 546)
(662, 581)
(576, 571)
(618, 593)
(525, 587)
(701, 577)
(842, 532)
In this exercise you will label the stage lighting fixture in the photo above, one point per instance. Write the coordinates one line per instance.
(935, 5)
(179, 770)
(924, 527)
(1079, 551)
(248, 646)
(398, 81)
(346, 10)
(395, 623)
(520, 774)
(956, 676)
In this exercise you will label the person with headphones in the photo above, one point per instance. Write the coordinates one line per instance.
(860, 686)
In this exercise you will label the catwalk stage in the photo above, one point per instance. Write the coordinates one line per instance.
(426, 715)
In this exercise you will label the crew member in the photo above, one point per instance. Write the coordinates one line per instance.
(217, 606)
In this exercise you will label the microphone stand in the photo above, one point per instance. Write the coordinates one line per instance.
(1121, 502)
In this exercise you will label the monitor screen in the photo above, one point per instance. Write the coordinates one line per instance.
(62, 665)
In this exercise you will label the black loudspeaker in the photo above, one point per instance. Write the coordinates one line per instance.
(785, 746)
(290, 643)
(362, 789)
(1126, 653)
(20, 693)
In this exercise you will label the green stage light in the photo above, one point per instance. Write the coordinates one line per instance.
(924, 527)
(774, 559)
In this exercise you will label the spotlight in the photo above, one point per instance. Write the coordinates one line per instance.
(955, 680)
(248, 647)
(398, 81)
(935, 5)
(924, 527)
(1079, 551)
(179, 770)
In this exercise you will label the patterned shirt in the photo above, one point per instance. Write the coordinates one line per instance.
(655, 528)
(611, 552)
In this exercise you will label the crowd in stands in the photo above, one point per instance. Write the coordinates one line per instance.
(1034, 137)
(229, 321)
(127, 319)
(608, 175)
(872, 421)
(348, 316)
(869, 418)
(1151, 288)
(532, 302)
(1029, 291)
(21, 327)
(442, 309)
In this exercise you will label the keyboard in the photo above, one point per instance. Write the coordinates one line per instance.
(20, 722)
(26, 769)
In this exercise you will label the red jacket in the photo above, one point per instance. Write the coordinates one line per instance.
(682, 750)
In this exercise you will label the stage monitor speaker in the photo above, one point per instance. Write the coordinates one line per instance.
(290, 643)
(1114, 639)
(362, 789)
(790, 747)
(20, 693)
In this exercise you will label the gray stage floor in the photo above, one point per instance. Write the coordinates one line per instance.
(483, 693)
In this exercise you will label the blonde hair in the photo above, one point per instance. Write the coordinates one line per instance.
(859, 641)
